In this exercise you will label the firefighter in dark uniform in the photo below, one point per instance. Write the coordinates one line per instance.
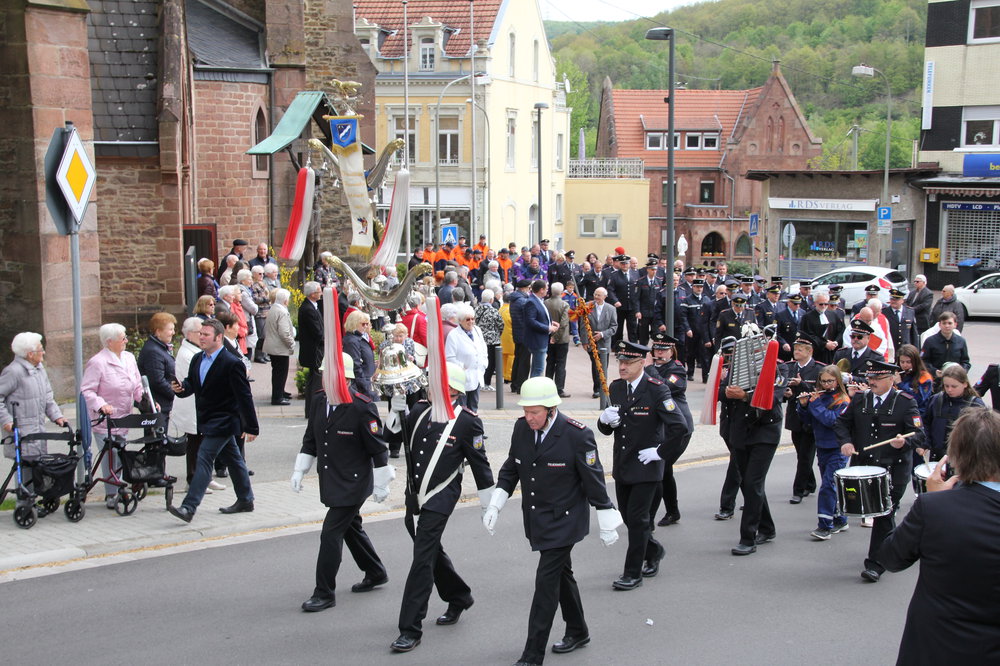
(854, 359)
(802, 373)
(555, 460)
(622, 295)
(731, 321)
(990, 383)
(879, 414)
(871, 291)
(788, 321)
(672, 372)
(754, 435)
(731, 484)
(746, 288)
(836, 303)
(680, 317)
(698, 334)
(768, 309)
(353, 462)
(436, 454)
(649, 289)
(647, 426)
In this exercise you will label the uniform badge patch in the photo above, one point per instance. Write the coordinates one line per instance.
(916, 422)
(669, 404)
(591, 458)
(477, 442)
(673, 379)
(373, 426)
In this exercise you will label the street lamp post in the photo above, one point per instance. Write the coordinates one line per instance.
(870, 72)
(661, 34)
(538, 218)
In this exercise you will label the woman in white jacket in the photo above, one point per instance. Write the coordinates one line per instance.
(466, 347)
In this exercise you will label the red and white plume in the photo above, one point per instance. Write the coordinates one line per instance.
(334, 379)
(399, 219)
(708, 408)
(437, 370)
(298, 223)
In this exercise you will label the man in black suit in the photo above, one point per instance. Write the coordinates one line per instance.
(802, 373)
(687, 280)
(731, 321)
(902, 321)
(823, 324)
(310, 337)
(788, 321)
(698, 333)
(859, 353)
(555, 460)
(622, 294)
(871, 291)
(649, 292)
(225, 409)
(921, 300)
(767, 310)
(354, 463)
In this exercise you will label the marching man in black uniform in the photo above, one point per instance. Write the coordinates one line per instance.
(768, 309)
(802, 373)
(555, 460)
(874, 416)
(731, 321)
(353, 463)
(647, 425)
(855, 358)
(435, 457)
(698, 308)
(788, 320)
(671, 371)
(622, 294)
(649, 288)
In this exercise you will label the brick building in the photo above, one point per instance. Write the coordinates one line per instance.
(719, 135)
(168, 96)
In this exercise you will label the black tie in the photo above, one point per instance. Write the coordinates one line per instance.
(856, 354)
(538, 438)
(628, 393)
(878, 402)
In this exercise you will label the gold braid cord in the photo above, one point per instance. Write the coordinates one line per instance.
(580, 313)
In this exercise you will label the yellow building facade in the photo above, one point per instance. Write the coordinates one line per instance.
(605, 213)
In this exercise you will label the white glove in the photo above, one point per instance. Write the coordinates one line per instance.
(608, 521)
(383, 477)
(492, 512)
(392, 422)
(303, 463)
(610, 416)
(485, 496)
(649, 455)
(398, 403)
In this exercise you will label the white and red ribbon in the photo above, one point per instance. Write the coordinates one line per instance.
(437, 371)
(334, 377)
(399, 219)
(301, 217)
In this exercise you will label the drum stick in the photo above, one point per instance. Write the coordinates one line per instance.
(909, 434)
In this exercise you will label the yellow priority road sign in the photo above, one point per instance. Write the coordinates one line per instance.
(76, 175)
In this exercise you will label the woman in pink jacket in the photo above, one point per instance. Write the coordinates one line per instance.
(111, 385)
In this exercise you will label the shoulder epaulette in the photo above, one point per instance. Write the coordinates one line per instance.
(466, 409)
(363, 397)
(575, 423)
(654, 380)
(906, 395)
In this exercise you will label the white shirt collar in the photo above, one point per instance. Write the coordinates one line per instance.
(549, 424)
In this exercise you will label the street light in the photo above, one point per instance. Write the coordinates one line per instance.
(870, 72)
(538, 218)
(667, 34)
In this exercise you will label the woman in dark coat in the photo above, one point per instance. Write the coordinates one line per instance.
(207, 284)
(954, 615)
(357, 344)
(156, 359)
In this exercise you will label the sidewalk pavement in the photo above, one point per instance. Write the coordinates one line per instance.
(101, 532)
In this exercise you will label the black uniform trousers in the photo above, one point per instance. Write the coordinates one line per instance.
(698, 352)
(753, 462)
(899, 478)
(279, 375)
(554, 586)
(343, 525)
(644, 329)
(637, 503)
(731, 486)
(522, 366)
(626, 320)
(555, 364)
(431, 567)
(313, 384)
(805, 453)
(668, 487)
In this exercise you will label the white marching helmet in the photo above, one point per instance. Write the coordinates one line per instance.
(456, 377)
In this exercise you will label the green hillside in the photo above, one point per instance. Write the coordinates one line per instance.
(730, 44)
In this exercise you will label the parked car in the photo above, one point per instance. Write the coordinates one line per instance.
(855, 278)
(981, 298)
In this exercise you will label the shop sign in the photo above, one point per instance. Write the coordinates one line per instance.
(981, 165)
(859, 205)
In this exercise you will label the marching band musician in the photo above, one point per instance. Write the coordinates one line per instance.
(731, 321)
(671, 371)
(874, 416)
(802, 373)
(854, 359)
(731, 484)
(647, 427)
(436, 454)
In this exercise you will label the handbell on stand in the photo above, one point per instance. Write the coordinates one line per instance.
(397, 375)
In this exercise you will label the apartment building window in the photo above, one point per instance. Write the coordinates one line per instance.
(706, 192)
(588, 225)
(511, 135)
(534, 142)
(980, 125)
(984, 21)
(512, 43)
(654, 141)
(560, 139)
(710, 141)
(448, 141)
(692, 141)
(427, 54)
(606, 226)
(664, 192)
(559, 208)
(609, 226)
(410, 136)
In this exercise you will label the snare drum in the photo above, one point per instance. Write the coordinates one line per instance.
(863, 491)
(921, 473)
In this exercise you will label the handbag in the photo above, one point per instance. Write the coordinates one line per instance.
(419, 351)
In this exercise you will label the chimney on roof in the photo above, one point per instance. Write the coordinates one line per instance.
(775, 67)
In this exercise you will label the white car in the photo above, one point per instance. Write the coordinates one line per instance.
(981, 297)
(854, 279)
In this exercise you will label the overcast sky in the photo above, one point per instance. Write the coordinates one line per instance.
(605, 10)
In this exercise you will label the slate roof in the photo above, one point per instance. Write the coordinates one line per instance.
(388, 14)
(697, 110)
(217, 40)
(123, 44)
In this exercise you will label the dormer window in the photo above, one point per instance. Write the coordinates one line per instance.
(427, 53)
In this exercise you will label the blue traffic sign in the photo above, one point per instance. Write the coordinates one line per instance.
(449, 234)
(885, 212)
(754, 224)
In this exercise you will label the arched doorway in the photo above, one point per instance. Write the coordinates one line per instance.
(713, 245)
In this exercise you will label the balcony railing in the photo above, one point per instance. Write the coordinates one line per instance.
(631, 167)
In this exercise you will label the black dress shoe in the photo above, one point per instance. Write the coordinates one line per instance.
(650, 568)
(404, 643)
(281, 403)
(796, 499)
(451, 615)
(723, 514)
(871, 575)
(743, 549)
(239, 506)
(596, 395)
(369, 584)
(287, 394)
(249, 472)
(669, 519)
(763, 538)
(394, 454)
(316, 604)
(522, 662)
(181, 513)
(222, 473)
(565, 395)
(569, 643)
(626, 583)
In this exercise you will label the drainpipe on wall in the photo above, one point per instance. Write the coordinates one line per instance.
(732, 203)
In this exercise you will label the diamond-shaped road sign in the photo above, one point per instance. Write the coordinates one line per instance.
(76, 175)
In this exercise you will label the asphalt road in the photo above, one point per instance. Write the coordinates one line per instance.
(794, 601)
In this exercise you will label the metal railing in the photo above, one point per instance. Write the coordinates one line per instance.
(631, 167)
